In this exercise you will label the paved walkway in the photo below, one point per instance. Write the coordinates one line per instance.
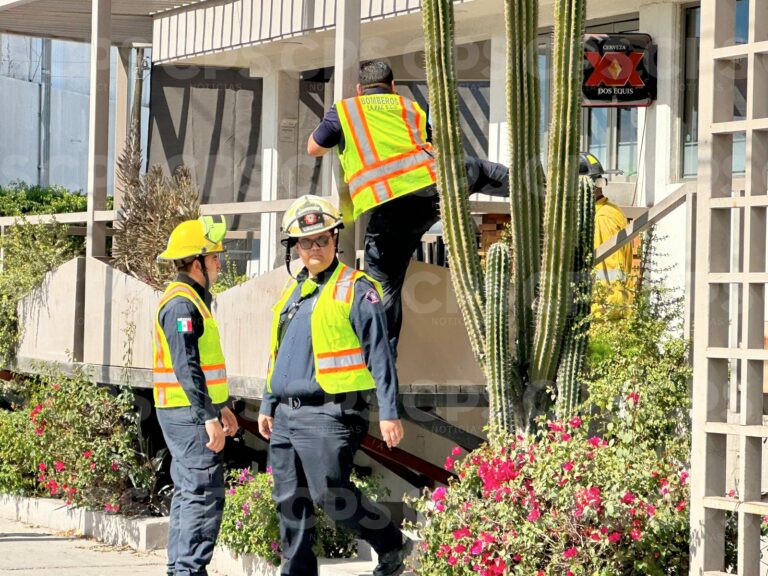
(27, 551)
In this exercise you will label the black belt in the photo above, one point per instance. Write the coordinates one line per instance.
(353, 399)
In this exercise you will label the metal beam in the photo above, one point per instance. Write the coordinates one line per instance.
(433, 423)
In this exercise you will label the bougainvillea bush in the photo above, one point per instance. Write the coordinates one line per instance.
(250, 524)
(73, 440)
(604, 492)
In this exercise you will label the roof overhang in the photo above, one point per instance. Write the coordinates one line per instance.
(71, 19)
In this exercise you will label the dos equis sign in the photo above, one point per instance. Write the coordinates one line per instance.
(619, 70)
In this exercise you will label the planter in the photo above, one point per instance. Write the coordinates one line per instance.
(143, 534)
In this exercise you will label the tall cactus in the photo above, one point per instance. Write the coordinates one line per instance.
(520, 367)
(577, 328)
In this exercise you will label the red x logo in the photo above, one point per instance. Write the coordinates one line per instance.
(615, 69)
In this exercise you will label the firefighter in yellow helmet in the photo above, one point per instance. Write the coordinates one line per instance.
(613, 276)
(329, 354)
(191, 393)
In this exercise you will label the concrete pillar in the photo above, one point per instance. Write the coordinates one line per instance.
(122, 112)
(98, 124)
(498, 145)
(44, 165)
(279, 148)
(345, 76)
(658, 133)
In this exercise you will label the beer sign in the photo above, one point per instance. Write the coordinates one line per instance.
(619, 70)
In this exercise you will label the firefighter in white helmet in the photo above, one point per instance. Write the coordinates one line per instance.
(329, 354)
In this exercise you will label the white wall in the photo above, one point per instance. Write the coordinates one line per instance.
(19, 143)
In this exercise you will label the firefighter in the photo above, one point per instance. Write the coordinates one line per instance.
(383, 142)
(613, 276)
(190, 392)
(329, 353)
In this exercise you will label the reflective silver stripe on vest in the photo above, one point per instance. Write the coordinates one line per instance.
(170, 377)
(360, 135)
(344, 285)
(352, 359)
(616, 274)
(380, 192)
(402, 165)
(410, 120)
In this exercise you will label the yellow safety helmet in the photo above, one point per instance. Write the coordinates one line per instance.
(310, 215)
(204, 235)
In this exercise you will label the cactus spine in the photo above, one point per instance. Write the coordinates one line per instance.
(521, 366)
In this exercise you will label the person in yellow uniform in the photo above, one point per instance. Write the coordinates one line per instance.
(613, 276)
(329, 354)
(191, 393)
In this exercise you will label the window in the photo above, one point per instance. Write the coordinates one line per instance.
(690, 123)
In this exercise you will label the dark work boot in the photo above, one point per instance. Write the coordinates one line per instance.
(393, 563)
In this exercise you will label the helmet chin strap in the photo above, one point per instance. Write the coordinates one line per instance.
(201, 259)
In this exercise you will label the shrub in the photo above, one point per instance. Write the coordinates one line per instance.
(600, 494)
(80, 441)
(21, 198)
(30, 252)
(229, 277)
(17, 453)
(251, 526)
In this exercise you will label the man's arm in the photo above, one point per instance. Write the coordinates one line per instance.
(370, 326)
(327, 135)
(314, 149)
(182, 337)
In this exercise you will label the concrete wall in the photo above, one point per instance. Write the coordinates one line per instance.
(51, 317)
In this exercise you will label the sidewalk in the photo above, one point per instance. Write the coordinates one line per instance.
(27, 551)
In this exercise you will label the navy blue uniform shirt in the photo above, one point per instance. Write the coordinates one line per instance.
(185, 353)
(329, 133)
(294, 370)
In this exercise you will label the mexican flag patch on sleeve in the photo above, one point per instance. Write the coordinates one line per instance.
(184, 324)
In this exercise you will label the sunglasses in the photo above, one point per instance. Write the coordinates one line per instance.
(321, 241)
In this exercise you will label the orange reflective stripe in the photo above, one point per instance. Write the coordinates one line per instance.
(361, 152)
(405, 121)
(428, 164)
(344, 287)
(178, 290)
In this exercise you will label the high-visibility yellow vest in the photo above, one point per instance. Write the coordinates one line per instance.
(615, 272)
(386, 154)
(167, 388)
(339, 362)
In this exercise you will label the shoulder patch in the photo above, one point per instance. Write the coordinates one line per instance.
(372, 296)
(184, 325)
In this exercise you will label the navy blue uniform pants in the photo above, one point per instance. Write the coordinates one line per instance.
(198, 493)
(395, 229)
(311, 453)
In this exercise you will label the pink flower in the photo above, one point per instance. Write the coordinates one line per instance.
(462, 533)
(59, 465)
(565, 437)
(456, 451)
(555, 427)
(269, 469)
(634, 397)
(614, 537)
(594, 441)
(92, 465)
(477, 547)
(681, 506)
(575, 422)
(628, 498)
(439, 494)
(534, 515)
(683, 478)
(448, 463)
(87, 454)
(115, 466)
(231, 491)
(651, 510)
(452, 560)
(571, 552)
(636, 534)
(440, 507)
(35, 411)
(42, 467)
(568, 466)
